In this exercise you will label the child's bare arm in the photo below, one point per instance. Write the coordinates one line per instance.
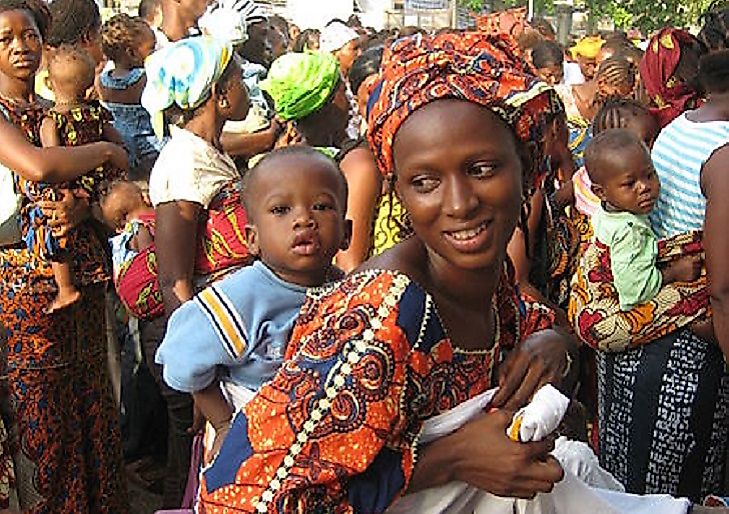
(110, 134)
(212, 404)
(49, 133)
(142, 240)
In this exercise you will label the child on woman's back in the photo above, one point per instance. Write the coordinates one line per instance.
(128, 42)
(622, 174)
(237, 329)
(71, 122)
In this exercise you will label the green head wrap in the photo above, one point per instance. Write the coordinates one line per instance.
(301, 83)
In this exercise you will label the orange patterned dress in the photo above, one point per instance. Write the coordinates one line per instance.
(337, 429)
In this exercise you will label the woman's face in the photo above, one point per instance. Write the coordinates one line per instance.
(235, 93)
(459, 175)
(20, 44)
(347, 55)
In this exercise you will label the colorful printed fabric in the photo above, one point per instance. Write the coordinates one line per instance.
(88, 258)
(669, 95)
(63, 420)
(221, 248)
(301, 83)
(183, 74)
(594, 308)
(475, 67)
(369, 361)
(79, 126)
(510, 22)
(390, 225)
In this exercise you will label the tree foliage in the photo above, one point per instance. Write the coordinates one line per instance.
(647, 15)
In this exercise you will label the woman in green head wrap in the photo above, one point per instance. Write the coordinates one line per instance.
(309, 96)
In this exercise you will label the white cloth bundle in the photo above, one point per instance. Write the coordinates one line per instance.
(586, 486)
(541, 417)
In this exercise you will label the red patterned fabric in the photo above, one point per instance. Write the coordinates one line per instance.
(594, 309)
(669, 96)
(221, 247)
(336, 429)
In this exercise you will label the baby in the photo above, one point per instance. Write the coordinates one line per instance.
(126, 211)
(237, 329)
(620, 168)
(73, 121)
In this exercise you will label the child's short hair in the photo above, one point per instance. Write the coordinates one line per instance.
(121, 33)
(72, 66)
(296, 150)
(72, 20)
(605, 144)
(148, 9)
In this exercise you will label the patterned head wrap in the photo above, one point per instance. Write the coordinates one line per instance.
(224, 20)
(511, 22)
(183, 74)
(475, 67)
(301, 83)
(669, 95)
(587, 47)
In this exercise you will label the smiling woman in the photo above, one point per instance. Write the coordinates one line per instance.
(423, 327)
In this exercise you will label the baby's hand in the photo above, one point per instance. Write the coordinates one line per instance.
(686, 269)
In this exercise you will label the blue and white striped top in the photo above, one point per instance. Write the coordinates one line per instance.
(679, 154)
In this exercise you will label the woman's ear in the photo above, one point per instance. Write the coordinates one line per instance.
(219, 96)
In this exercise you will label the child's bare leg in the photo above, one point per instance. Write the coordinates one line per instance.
(67, 292)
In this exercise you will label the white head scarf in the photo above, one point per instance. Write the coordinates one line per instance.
(335, 36)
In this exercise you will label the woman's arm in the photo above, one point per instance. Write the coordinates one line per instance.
(365, 183)
(715, 185)
(175, 245)
(59, 164)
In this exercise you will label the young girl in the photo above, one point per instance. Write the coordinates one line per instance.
(71, 122)
(128, 42)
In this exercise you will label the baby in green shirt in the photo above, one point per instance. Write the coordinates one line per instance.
(622, 174)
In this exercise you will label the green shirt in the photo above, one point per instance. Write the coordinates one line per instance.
(633, 251)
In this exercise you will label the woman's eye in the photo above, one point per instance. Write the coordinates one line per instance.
(483, 169)
(279, 210)
(424, 184)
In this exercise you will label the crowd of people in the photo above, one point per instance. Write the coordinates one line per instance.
(282, 259)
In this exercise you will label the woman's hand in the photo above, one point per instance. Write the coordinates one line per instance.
(118, 157)
(542, 358)
(65, 214)
(492, 462)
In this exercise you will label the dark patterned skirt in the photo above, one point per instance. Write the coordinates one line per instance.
(663, 411)
(62, 418)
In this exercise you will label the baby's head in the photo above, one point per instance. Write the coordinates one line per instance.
(127, 41)
(296, 201)
(627, 114)
(123, 202)
(622, 174)
(71, 73)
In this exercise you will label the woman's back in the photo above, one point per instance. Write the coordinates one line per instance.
(679, 154)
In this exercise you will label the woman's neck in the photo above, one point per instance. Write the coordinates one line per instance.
(207, 127)
(471, 290)
(19, 90)
(174, 26)
(716, 108)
